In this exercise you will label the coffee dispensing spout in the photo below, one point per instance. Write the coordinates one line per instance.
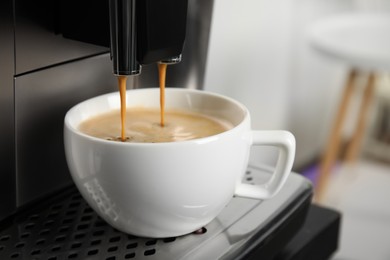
(146, 31)
(123, 38)
(171, 60)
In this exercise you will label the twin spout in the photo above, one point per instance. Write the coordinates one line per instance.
(146, 31)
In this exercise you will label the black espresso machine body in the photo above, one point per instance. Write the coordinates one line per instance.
(54, 54)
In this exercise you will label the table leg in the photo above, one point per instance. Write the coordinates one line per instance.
(333, 145)
(354, 146)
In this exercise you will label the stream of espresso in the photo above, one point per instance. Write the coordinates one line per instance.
(122, 92)
(162, 71)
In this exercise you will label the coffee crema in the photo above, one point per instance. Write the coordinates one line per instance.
(143, 126)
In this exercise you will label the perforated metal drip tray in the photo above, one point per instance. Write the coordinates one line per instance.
(67, 228)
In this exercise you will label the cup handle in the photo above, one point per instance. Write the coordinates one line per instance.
(285, 142)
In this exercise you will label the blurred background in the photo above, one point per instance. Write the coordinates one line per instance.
(260, 54)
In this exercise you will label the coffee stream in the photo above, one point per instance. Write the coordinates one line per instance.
(143, 126)
(162, 70)
(122, 92)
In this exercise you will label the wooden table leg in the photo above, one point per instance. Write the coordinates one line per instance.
(354, 146)
(333, 145)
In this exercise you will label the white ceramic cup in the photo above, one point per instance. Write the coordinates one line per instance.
(169, 189)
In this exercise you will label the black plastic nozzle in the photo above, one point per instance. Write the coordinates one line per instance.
(161, 29)
(123, 36)
(146, 31)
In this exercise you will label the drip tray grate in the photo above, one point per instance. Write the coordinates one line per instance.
(65, 227)
(70, 229)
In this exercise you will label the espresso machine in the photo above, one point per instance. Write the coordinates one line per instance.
(56, 53)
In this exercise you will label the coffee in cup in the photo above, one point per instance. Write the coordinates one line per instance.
(143, 126)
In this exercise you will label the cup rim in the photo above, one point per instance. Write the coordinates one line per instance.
(76, 131)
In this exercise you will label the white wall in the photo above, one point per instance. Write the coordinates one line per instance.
(259, 54)
(248, 59)
(315, 80)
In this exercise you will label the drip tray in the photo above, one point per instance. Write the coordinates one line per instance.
(67, 228)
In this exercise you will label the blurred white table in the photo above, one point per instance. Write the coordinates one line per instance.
(361, 40)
